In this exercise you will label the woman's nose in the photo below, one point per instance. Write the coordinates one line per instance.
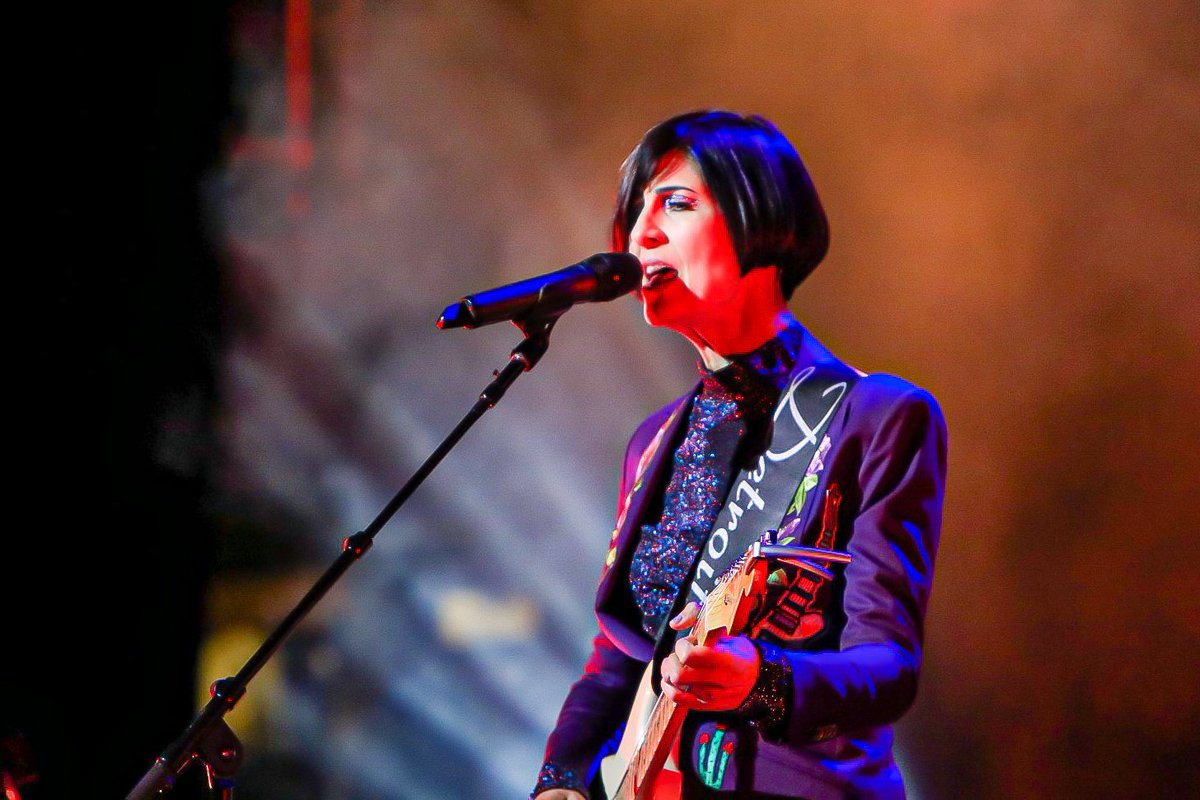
(645, 232)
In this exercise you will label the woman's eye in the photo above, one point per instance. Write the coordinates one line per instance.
(678, 202)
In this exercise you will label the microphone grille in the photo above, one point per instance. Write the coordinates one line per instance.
(617, 273)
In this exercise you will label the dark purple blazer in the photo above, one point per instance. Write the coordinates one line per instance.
(888, 458)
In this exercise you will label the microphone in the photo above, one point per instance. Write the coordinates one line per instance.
(604, 276)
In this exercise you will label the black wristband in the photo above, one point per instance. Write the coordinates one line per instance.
(766, 707)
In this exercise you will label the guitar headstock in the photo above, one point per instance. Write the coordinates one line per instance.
(733, 600)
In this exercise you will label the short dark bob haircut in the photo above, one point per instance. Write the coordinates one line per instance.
(757, 178)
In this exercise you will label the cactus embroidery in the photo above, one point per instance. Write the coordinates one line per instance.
(713, 756)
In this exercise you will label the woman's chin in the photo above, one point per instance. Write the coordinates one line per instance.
(655, 318)
(656, 312)
(668, 307)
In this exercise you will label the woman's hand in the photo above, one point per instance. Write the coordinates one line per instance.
(716, 678)
(560, 794)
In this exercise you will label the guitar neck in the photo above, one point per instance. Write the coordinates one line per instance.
(651, 754)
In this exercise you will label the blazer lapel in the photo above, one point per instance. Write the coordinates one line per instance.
(648, 474)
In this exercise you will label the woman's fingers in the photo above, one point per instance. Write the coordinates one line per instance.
(717, 678)
(687, 617)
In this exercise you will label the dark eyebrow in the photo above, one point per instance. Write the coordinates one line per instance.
(669, 189)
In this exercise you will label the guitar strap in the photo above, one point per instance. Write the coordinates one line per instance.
(769, 495)
(764, 498)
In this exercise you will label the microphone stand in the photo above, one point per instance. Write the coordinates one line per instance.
(208, 739)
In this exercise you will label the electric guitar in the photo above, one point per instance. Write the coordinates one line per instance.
(644, 767)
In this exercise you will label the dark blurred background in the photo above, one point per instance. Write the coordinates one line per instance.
(244, 217)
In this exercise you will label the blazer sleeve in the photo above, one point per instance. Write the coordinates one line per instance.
(900, 434)
(591, 717)
(598, 703)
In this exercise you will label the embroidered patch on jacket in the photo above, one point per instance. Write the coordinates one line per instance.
(612, 549)
(712, 756)
(825, 733)
(798, 596)
(810, 479)
(627, 500)
(651, 449)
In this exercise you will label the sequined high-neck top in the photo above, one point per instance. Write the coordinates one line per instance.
(732, 401)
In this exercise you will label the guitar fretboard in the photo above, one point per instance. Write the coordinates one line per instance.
(665, 719)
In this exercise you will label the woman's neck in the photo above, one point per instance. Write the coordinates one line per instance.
(717, 343)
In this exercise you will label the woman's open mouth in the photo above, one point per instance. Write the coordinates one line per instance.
(657, 273)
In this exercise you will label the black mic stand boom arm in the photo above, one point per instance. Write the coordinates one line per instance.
(208, 739)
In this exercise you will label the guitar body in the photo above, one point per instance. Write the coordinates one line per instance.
(645, 766)
(651, 739)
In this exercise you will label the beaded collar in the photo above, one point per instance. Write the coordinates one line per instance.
(754, 380)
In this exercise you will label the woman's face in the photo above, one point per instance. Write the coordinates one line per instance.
(690, 270)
